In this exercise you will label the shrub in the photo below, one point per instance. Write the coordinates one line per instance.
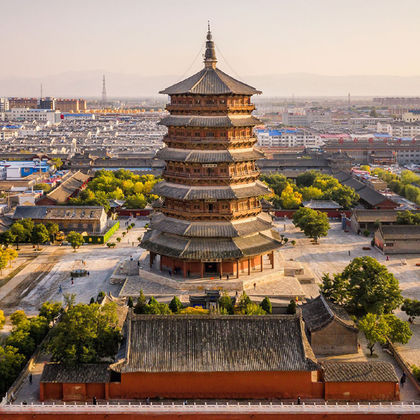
(197, 310)
(266, 305)
(291, 307)
(175, 306)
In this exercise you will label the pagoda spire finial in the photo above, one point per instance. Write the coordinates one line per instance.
(210, 59)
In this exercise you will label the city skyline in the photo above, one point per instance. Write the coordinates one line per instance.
(325, 38)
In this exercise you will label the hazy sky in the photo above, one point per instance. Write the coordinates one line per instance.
(259, 37)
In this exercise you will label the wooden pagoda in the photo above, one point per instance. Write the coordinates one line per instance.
(210, 221)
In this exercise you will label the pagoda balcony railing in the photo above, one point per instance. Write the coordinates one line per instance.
(205, 177)
(190, 214)
(211, 107)
(209, 139)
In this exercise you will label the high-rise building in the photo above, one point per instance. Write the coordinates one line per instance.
(4, 104)
(23, 103)
(211, 221)
(47, 103)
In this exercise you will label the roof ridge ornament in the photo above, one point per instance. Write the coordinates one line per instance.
(210, 59)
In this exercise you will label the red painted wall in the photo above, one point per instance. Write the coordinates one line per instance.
(217, 385)
(359, 391)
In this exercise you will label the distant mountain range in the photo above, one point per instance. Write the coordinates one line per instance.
(89, 84)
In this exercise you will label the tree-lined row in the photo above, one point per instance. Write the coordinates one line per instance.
(134, 190)
(311, 185)
(226, 306)
(401, 184)
(27, 334)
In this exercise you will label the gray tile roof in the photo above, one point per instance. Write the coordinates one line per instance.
(58, 212)
(211, 122)
(204, 156)
(320, 312)
(216, 344)
(359, 371)
(209, 81)
(211, 248)
(402, 232)
(185, 192)
(68, 187)
(83, 373)
(210, 229)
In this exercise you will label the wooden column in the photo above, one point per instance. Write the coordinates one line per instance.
(202, 269)
(184, 269)
(262, 262)
(249, 266)
(221, 269)
(237, 269)
(151, 257)
(160, 262)
(272, 259)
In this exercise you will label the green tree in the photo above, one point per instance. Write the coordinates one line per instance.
(50, 310)
(21, 339)
(409, 177)
(364, 286)
(291, 307)
(130, 302)
(20, 233)
(266, 305)
(7, 238)
(399, 331)
(76, 240)
(311, 193)
(314, 224)
(53, 229)
(38, 328)
(85, 334)
(11, 362)
(40, 234)
(156, 308)
(306, 179)
(225, 304)
(411, 307)
(175, 305)
(141, 304)
(254, 309)
(18, 318)
(44, 187)
(365, 168)
(376, 330)
(244, 301)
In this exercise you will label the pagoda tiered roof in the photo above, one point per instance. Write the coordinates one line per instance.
(187, 192)
(225, 229)
(208, 156)
(211, 122)
(212, 248)
(210, 81)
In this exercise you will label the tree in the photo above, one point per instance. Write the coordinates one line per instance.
(266, 305)
(175, 305)
(40, 234)
(76, 240)
(19, 232)
(364, 286)
(254, 309)
(85, 334)
(11, 362)
(58, 163)
(411, 307)
(156, 308)
(376, 330)
(314, 224)
(306, 179)
(409, 177)
(130, 302)
(399, 331)
(243, 302)
(311, 193)
(2, 319)
(9, 255)
(291, 307)
(365, 168)
(7, 238)
(53, 229)
(373, 113)
(18, 318)
(38, 328)
(289, 198)
(50, 310)
(21, 339)
(141, 304)
(225, 304)
(44, 187)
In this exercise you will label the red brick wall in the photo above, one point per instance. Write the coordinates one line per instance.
(217, 385)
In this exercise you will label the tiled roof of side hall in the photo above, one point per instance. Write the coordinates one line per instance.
(216, 344)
